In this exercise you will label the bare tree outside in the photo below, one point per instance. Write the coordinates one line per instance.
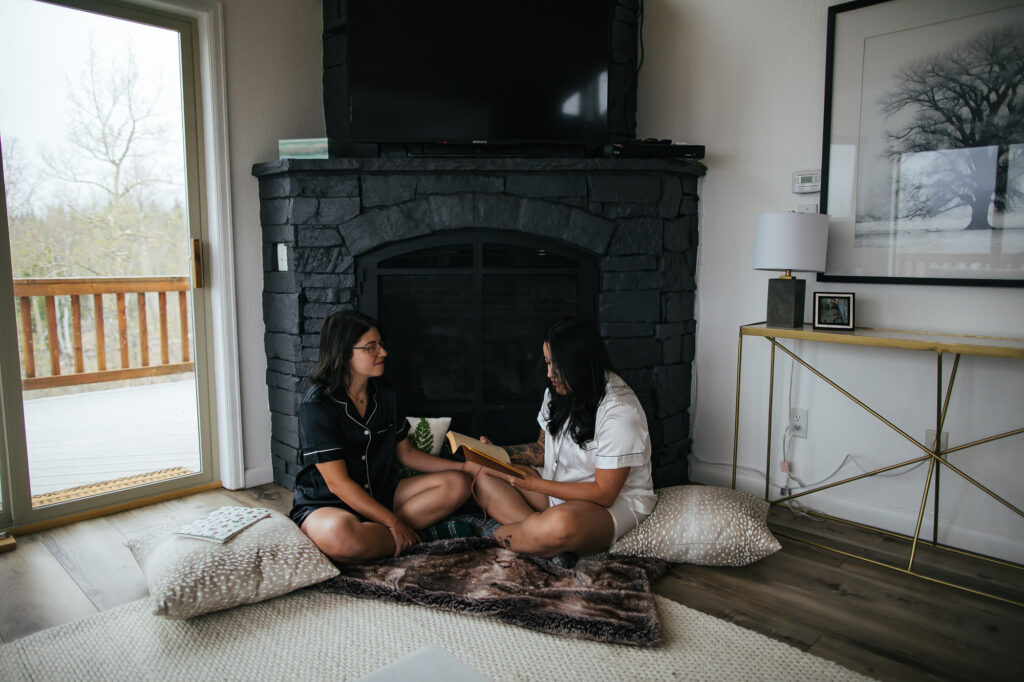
(102, 194)
(116, 212)
(92, 111)
(969, 98)
(19, 180)
(107, 200)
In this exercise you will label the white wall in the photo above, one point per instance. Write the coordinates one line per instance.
(746, 79)
(274, 66)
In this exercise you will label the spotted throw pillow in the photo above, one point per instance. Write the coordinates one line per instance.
(189, 576)
(704, 525)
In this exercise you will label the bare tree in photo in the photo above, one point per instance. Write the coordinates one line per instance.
(968, 98)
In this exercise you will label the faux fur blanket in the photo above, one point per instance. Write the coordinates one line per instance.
(604, 598)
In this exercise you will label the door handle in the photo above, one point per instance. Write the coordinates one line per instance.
(197, 264)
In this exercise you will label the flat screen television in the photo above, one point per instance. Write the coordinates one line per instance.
(480, 71)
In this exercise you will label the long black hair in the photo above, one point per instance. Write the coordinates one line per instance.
(339, 333)
(580, 360)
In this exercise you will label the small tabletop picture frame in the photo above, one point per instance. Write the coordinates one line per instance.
(833, 310)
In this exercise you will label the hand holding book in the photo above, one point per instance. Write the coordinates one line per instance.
(485, 454)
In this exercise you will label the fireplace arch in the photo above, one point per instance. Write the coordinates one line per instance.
(464, 313)
(637, 219)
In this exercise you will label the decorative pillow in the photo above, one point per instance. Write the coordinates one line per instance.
(704, 525)
(427, 433)
(188, 576)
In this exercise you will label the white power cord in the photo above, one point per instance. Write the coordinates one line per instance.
(849, 458)
(787, 438)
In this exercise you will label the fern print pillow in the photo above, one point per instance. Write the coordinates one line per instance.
(427, 433)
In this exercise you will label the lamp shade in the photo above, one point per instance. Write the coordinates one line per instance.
(790, 241)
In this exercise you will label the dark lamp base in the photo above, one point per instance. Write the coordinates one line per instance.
(786, 302)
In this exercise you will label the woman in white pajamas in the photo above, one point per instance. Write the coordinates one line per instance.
(594, 456)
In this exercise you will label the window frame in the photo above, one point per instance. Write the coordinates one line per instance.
(199, 23)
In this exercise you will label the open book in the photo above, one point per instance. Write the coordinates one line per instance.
(223, 524)
(486, 454)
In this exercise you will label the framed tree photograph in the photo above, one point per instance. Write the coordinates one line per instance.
(923, 150)
(833, 311)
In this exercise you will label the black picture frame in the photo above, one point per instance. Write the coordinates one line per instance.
(871, 49)
(834, 310)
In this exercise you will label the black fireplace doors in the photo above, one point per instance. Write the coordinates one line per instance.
(464, 314)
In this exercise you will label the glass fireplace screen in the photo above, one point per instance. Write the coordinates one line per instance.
(465, 316)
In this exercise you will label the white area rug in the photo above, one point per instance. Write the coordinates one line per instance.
(312, 635)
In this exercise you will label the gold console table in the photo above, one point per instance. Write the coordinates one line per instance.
(932, 453)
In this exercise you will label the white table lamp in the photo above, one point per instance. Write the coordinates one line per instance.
(789, 242)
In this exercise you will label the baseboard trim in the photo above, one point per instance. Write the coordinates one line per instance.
(258, 476)
(112, 509)
(952, 533)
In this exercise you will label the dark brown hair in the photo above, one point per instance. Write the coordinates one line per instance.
(339, 333)
(581, 360)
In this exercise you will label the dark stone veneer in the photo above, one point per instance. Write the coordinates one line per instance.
(639, 216)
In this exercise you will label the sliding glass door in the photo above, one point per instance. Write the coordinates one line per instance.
(104, 303)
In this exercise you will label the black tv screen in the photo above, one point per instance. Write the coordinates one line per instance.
(471, 71)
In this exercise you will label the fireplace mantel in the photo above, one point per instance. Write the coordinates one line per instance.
(481, 163)
(637, 217)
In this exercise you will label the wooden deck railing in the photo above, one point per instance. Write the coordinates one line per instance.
(120, 287)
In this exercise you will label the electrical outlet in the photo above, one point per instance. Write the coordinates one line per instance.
(798, 422)
(929, 440)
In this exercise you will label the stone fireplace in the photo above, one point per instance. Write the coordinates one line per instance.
(630, 225)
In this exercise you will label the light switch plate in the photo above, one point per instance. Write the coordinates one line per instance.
(282, 258)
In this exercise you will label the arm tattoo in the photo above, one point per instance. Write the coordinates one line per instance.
(528, 453)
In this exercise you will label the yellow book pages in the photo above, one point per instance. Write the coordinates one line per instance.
(457, 440)
(486, 454)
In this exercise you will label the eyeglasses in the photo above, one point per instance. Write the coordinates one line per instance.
(373, 348)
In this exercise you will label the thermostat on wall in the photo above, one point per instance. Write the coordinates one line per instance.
(805, 182)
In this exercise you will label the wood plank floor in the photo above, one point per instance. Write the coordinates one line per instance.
(873, 620)
(880, 622)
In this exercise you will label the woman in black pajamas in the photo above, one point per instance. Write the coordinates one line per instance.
(353, 438)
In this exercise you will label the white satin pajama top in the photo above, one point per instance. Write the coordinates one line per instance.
(620, 440)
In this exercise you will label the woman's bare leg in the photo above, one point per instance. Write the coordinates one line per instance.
(421, 501)
(344, 538)
(506, 504)
(573, 526)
